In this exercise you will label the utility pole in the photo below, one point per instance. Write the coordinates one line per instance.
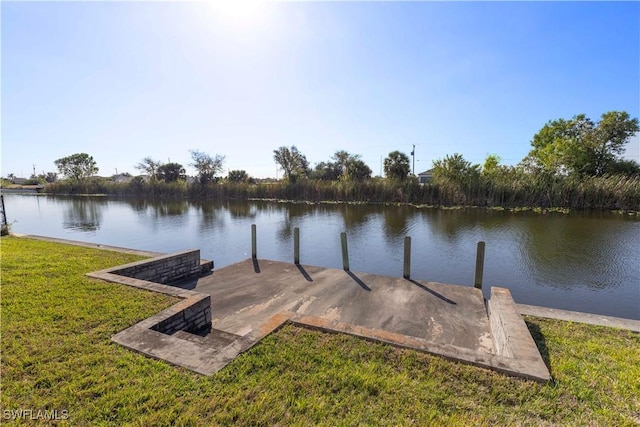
(34, 170)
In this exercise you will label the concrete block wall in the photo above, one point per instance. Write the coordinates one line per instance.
(192, 318)
(192, 313)
(165, 269)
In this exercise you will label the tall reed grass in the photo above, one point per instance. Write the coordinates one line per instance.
(525, 190)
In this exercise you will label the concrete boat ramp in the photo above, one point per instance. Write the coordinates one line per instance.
(225, 312)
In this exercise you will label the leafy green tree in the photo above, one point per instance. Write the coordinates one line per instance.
(149, 167)
(350, 166)
(326, 171)
(171, 172)
(137, 184)
(342, 165)
(625, 167)
(581, 147)
(46, 177)
(456, 169)
(357, 170)
(238, 176)
(293, 163)
(341, 158)
(51, 177)
(491, 165)
(396, 166)
(77, 166)
(206, 165)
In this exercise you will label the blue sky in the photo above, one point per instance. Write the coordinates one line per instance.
(126, 80)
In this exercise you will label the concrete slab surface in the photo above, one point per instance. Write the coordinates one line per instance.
(245, 302)
(243, 295)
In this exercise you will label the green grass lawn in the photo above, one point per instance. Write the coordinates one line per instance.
(57, 355)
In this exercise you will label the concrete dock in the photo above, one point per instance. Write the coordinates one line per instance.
(244, 295)
(225, 312)
(221, 314)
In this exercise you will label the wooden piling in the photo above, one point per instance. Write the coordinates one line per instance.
(4, 228)
(345, 252)
(296, 246)
(479, 266)
(407, 258)
(254, 242)
(4, 212)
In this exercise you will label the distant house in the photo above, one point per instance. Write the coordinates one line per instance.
(426, 176)
(20, 181)
(122, 178)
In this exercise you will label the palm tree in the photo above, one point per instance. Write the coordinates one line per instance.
(396, 166)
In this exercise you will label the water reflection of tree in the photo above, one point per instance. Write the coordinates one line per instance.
(209, 213)
(292, 213)
(241, 208)
(356, 216)
(159, 208)
(450, 224)
(575, 251)
(83, 213)
(138, 205)
(169, 208)
(396, 220)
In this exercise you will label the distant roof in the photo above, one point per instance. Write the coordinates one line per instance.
(427, 172)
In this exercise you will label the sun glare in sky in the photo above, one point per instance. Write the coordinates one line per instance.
(239, 14)
(123, 80)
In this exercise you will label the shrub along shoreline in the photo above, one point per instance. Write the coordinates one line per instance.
(594, 193)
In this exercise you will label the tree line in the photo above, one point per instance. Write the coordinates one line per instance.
(577, 147)
(571, 153)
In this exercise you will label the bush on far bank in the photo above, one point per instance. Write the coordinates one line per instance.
(617, 192)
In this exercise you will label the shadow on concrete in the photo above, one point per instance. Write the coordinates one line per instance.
(358, 281)
(185, 284)
(432, 292)
(540, 341)
(202, 332)
(304, 273)
(256, 265)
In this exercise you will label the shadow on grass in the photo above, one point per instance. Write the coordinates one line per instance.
(541, 342)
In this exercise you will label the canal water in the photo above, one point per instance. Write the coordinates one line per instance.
(579, 261)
